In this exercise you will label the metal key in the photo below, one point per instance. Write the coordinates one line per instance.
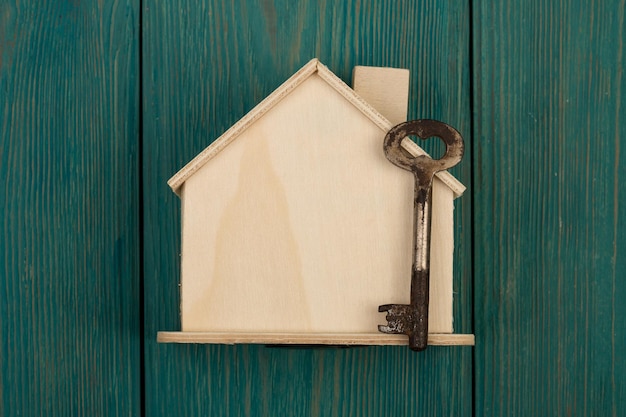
(412, 319)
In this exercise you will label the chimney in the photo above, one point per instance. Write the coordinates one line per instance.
(385, 89)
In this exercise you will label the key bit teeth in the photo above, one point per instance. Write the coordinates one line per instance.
(396, 311)
(393, 327)
(385, 307)
(397, 315)
(388, 329)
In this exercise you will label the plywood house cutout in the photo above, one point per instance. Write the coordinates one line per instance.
(295, 227)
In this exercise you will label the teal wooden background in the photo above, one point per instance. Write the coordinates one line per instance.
(550, 208)
(69, 245)
(102, 101)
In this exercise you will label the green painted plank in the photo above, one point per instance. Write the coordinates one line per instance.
(69, 271)
(206, 63)
(550, 207)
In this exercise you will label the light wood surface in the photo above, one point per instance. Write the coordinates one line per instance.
(295, 221)
(374, 339)
(385, 89)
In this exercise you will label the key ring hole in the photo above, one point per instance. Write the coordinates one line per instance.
(434, 146)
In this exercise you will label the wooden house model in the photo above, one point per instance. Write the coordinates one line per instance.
(295, 227)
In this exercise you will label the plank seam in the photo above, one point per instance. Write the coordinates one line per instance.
(141, 209)
(473, 135)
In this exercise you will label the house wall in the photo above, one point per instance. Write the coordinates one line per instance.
(300, 220)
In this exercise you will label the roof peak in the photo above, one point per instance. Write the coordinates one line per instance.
(314, 66)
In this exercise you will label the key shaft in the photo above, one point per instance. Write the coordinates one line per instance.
(412, 319)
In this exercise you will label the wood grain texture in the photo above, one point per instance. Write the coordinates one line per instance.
(550, 208)
(385, 89)
(208, 63)
(69, 246)
(282, 228)
(340, 339)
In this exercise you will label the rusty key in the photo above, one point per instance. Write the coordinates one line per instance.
(412, 319)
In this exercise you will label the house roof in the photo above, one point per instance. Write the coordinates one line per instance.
(311, 68)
